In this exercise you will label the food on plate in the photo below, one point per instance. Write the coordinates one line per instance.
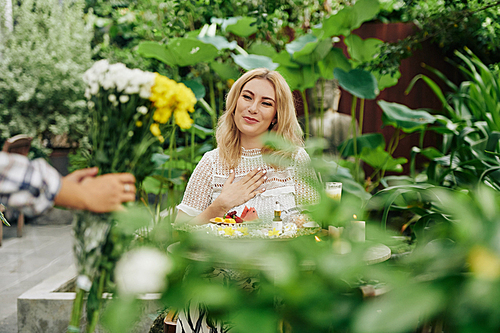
(218, 219)
(232, 215)
(229, 220)
(249, 214)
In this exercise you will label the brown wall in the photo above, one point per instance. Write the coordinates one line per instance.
(421, 96)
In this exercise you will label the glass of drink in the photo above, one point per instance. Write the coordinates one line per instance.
(334, 190)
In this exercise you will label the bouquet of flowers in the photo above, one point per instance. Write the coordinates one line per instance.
(130, 110)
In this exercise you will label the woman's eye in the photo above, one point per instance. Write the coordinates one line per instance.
(267, 104)
(247, 97)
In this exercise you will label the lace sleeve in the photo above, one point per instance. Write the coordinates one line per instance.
(198, 194)
(305, 179)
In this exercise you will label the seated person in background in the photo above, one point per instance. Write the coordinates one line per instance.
(235, 174)
(336, 126)
(34, 186)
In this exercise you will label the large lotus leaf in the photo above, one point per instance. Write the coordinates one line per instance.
(401, 116)
(299, 78)
(387, 80)
(243, 27)
(157, 51)
(369, 140)
(191, 51)
(338, 24)
(285, 59)
(197, 87)
(378, 158)
(226, 70)
(263, 50)
(308, 50)
(335, 58)
(219, 42)
(358, 82)
(252, 61)
(300, 43)
(365, 10)
(348, 19)
(362, 50)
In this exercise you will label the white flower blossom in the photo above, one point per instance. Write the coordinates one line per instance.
(142, 270)
(112, 98)
(142, 109)
(124, 99)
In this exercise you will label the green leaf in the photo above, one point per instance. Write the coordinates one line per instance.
(308, 49)
(400, 116)
(197, 87)
(380, 159)
(338, 24)
(225, 70)
(243, 27)
(188, 51)
(253, 61)
(299, 78)
(362, 50)
(285, 59)
(334, 59)
(400, 310)
(202, 132)
(365, 10)
(358, 82)
(387, 80)
(369, 140)
(263, 50)
(157, 51)
(219, 42)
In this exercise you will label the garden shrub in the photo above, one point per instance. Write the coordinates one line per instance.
(41, 68)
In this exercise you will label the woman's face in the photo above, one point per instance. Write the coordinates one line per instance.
(255, 108)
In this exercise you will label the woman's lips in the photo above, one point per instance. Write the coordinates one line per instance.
(250, 120)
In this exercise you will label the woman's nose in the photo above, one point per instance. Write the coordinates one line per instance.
(252, 108)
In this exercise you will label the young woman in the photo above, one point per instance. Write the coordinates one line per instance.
(235, 174)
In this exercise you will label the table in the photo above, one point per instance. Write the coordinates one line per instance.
(375, 253)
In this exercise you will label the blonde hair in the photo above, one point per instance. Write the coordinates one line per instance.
(287, 125)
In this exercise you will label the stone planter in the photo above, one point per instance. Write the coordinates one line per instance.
(47, 306)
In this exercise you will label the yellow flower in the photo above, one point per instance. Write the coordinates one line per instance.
(182, 119)
(161, 138)
(170, 97)
(155, 129)
(244, 231)
(274, 232)
(484, 263)
(162, 115)
(138, 123)
(228, 231)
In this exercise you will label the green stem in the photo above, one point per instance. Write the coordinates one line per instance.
(76, 312)
(171, 151)
(306, 112)
(212, 95)
(361, 115)
(95, 315)
(192, 140)
(354, 136)
(322, 109)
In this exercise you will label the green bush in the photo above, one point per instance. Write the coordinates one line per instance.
(41, 68)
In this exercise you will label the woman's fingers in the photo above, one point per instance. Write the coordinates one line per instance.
(252, 174)
(229, 179)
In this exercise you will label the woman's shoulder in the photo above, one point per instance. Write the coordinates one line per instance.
(301, 154)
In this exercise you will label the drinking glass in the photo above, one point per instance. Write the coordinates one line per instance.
(334, 190)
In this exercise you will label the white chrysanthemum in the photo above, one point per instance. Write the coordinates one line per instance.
(124, 99)
(112, 98)
(142, 109)
(142, 270)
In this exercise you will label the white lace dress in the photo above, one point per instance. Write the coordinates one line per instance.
(289, 186)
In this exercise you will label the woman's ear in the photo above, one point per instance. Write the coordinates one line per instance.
(273, 122)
